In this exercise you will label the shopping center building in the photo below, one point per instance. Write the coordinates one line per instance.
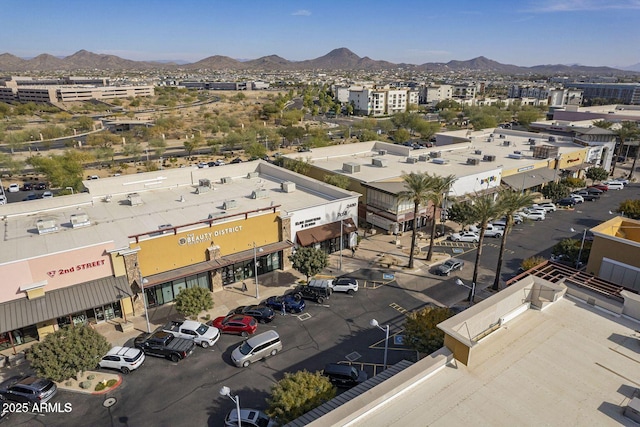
(84, 257)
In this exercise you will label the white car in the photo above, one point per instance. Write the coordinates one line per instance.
(124, 359)
(465, 236)
(614, 185)
(47, 195)
(13, 188)
(577, 198)
(625, 181)
(533, 215)
(548, 207)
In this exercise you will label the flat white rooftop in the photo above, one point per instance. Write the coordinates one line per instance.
(168, 197)
(568, 365)
(333, 158)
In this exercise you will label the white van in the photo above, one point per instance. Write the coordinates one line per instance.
(614, 185)
(256, 348)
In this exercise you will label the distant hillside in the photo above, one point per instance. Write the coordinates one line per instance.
(338, 59)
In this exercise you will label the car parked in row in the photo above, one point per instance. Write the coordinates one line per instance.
(567, 202)
(248, 418)
(547, 206)
(123, 359)
(450, 265)
(261, 313)
(502, 222)
(588, 197)
(577, 198)
(238, 324)
(13, 188)
(601, 187)
(465, 236)
(614, 185)
(534, 215)
(286, 303)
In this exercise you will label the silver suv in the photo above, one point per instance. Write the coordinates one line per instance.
(28, 389)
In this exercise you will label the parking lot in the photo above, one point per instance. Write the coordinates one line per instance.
(186, 393)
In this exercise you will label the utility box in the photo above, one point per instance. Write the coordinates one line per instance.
(423, 157)
(288, 186)
(46, 226)
(412, 160)
(134, 199)
(489, 158)
(252, 175)
(79, 220)
(351, 167)
(260, 193)
(380, 163)
(473, 161)
(226, 180)
(230, 204)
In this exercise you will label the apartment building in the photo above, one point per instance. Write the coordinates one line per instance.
(382, 101)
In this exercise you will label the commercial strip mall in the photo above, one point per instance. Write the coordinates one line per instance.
(83, 258)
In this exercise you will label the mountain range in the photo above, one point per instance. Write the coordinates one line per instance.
(337, 59)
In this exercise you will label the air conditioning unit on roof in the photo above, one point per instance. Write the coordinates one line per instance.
(230, 204)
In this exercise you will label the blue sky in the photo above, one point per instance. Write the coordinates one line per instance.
(520, 32)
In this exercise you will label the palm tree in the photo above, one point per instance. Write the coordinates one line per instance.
(485, 208)
(510, 202)
(627, 130)
(439, 188)
(418, 187)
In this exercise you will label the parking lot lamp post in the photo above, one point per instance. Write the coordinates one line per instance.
(255, 267)
(226, 391)
(375, 324)
(584, 236)
(472, 288)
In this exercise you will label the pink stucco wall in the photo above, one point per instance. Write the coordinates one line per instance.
(59, 270)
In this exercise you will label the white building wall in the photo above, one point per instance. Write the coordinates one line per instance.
(314, 216)
(476, 183)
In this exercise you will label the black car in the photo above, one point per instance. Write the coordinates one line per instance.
(27, 186)
(567, 202)
(288, 303)
(448, 266)
(40, 186)
(28, 389)
(588, 197)
(261, 313)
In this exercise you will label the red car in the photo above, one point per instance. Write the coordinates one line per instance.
(235, 324)
(602, 187)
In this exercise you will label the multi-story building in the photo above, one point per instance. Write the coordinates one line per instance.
(381, 101)
(624, 93)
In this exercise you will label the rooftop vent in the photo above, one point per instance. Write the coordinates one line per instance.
(46, 226)
(412, 160)
(204, 185)
(489, 158)
(382, 152)
(423, 157)
(260, 193)
(351, 167)
(288, 186)
(134, 199)
(501, 136)
(252, 175)
(477, 152)
(79, 220)
(506, 143)
(515, 156)
(229, 204)
(473, 161)
(381, 163)
(435, 154)
(226, 180)
(440, 161)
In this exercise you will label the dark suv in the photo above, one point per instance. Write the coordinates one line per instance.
(344, 375)
(28, 389)
(314, 293)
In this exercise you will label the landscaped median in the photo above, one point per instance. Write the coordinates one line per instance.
(92, 382)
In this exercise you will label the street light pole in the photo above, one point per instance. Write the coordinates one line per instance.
(472, 288)
(255, 268)
(226, 391)
(144, 301)
(340, 245)
(375, 324)
(584, 236)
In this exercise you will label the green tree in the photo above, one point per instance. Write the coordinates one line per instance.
(296, 165)
(9, 165)
(401, 136)
(627, 131)
(439, 187)
(66, 352)
(418, 187)
(62, 170)
(596, 174)
(485, 209)
(529, 263)
(340, 181)
(556, 190)
(255, 149)
(421, 332)
(190, 144)
(291, 133)
(159, 146)
(630, 208)
(570, 248)
(132, 149)
(84, 124)
(192, 301)
(528, 115)
(298, 393)
(309, 261)
(461, 212)
(510, 202)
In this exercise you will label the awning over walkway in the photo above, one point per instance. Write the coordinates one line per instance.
(62, 302)
(324, 232)
(213, 265)
(529, 179)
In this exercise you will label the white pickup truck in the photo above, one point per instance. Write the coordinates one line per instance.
(493, 231)
(200, 333)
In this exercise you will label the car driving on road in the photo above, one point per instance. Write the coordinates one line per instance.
(448, 266)
(465, 236)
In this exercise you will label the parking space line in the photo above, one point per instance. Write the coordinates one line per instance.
(304, 316)
(398, 308)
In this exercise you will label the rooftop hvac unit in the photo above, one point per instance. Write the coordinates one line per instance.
(226, 180)
(351, 167)
(216, 215)
(204, 185)
(46, 226)
(489, 158)
(423, 157)
(134, 199)
(230, 204)
(79, 220)
(440, 161)
(381, 163)
(412, 160)
(532, 141)
(489, 139)
(518, 152)
(260, 193)
(435, 154)
(506, 143)
(491, 135)
(515, 156)
(473, 161)
(252, 175)
(288, 186)
(501, 136)
(477, 152)
(382, 152)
